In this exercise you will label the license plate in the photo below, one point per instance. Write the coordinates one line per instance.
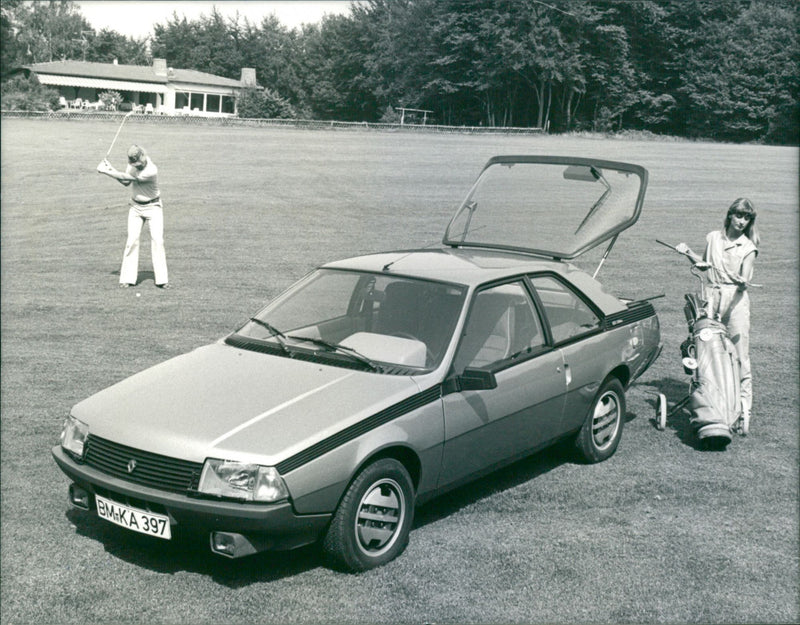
(133, 519)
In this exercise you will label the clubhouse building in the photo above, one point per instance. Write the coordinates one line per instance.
(152, 89)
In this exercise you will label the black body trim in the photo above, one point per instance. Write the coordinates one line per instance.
(635, 312)
(354, 431)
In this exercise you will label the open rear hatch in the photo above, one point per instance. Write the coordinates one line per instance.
(553, 206)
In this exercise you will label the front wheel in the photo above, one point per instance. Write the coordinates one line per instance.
(602, 429)
(371, 526)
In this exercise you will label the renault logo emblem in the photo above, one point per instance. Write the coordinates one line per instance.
(131, 465)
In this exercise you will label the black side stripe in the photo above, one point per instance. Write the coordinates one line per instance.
(354, 431)
(637, 312)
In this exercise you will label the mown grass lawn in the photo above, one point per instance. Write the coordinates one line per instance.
(663, 532)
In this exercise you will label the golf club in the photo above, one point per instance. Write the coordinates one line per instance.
(712, 266)
(127, 115)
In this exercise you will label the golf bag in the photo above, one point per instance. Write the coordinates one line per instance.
(710, 358)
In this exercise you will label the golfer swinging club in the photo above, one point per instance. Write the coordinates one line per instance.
(142, 175)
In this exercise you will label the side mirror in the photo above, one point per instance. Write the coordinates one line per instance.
(477, 379)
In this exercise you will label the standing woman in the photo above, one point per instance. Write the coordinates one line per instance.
(729, 258)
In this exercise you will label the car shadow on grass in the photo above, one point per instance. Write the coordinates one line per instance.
(504, 479)
(190, 551)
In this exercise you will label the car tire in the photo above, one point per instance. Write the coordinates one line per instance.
(372, 523)
(602, 430)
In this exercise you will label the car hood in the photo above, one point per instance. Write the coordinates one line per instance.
(552, 206)
(224, 402)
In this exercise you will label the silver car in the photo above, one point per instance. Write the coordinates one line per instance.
(378, 382)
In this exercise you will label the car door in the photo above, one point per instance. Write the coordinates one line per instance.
(504, 335)
(575, 331)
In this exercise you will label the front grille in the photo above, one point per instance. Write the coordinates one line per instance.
(153, 470)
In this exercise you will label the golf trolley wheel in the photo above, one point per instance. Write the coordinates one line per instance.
(661, 412)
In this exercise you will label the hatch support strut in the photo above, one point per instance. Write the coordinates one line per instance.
(605, 255)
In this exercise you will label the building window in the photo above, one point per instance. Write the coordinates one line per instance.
(207, 102)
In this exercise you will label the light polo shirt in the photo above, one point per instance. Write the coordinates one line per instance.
(145, 184)
(726, 256)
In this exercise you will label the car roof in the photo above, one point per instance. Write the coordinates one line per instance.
(474, 267)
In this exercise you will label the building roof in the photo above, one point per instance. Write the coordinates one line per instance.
(129, 73)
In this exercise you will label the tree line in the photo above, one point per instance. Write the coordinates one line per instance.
(715, 69)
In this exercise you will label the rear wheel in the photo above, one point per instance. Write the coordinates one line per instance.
(371, 526)
(602, 430)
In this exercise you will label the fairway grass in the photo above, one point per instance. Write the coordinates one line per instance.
(661, 533)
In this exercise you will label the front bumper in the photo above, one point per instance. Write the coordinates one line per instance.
(268, 526)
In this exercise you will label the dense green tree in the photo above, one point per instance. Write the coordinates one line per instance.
(275, 52)
(49, 31)
(333, 70)
(651, 50)
(723, 69)
(108, 46)
(174, 40)
(392, 43)
(46, 31)
(742, 82)
(8, 37)
(264, 103)
(22, 93)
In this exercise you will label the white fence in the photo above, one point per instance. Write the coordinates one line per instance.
(278, 123)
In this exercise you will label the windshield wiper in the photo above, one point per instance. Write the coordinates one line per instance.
(280, 336)
(342, 349)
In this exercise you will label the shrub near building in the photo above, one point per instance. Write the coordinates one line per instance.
(263, 103)
(110, 99)
(26, 94)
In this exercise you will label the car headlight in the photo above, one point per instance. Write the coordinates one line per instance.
(249, 482)
(74, 435)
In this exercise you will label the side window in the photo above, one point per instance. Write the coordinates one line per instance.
(502, 326)
(567, 313)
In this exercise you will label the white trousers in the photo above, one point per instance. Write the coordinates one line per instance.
(734, 310)
(153, 214)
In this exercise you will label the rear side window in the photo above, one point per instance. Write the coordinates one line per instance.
(567, 313)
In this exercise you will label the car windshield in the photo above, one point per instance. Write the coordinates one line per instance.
(554, 206)
(372, 320)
